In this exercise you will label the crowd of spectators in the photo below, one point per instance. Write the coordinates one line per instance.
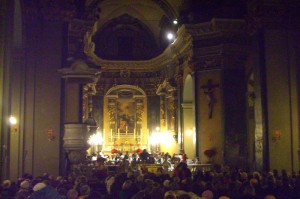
(141, 184)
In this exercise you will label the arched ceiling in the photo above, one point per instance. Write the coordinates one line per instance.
(150, 12)
(132, 29)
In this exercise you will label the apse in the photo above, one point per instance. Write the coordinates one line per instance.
(125, 38)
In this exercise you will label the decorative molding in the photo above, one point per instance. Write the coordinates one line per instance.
(125, 87)
(187, 105)
(166, 88)
(80, 70)
(181, 46)
(216, 26)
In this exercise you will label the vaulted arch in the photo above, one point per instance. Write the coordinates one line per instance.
(188, 107)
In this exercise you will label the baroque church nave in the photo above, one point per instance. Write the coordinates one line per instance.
(227, 81)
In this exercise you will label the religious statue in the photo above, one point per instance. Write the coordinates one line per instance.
(208, 90)
(210, 98)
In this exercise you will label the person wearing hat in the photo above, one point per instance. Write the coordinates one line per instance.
(7, 190)
(208, 194)
(41, 190)
(25, 190)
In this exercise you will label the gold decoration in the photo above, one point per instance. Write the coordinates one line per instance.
(112, 114)
(139, 113)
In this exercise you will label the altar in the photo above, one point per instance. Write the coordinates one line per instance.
(125, 120)
(125, 142)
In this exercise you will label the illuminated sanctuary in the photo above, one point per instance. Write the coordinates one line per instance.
(217, 79)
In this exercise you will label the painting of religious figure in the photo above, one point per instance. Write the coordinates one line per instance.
(126, 116)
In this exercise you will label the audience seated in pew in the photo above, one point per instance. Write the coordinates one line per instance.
(138, 182)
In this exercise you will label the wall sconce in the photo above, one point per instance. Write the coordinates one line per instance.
(50, 134)
(13, 124)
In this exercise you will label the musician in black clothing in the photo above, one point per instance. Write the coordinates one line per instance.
(144, 156)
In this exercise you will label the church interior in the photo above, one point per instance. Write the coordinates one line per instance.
(217, 79)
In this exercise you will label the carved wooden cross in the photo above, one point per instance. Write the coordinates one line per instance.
(208, 90)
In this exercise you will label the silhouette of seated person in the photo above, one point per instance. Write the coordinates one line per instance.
(175, 159)
(182, 171)
(167, 156)
(126, 156)
(151, 159)
(144, 156)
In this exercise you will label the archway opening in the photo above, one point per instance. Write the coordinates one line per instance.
(188, 107)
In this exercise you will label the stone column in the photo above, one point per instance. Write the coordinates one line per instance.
(219, 49)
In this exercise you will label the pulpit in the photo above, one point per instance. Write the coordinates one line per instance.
(75, 143)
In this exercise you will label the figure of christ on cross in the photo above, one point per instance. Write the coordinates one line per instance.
(208, 90)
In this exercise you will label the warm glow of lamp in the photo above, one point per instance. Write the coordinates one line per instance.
(95, 139)
(12, 120)
(13, 123)
(155, 138)
(189, 132)
(175, 22)
(166, 138)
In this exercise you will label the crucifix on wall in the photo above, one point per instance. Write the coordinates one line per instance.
(208, 90)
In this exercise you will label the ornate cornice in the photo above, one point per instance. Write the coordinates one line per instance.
(214, 41)
(80, 72)
(180, 48)
(198, 43)
(149, 84)
(216, 27)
